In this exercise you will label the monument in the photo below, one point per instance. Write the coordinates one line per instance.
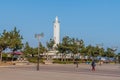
(56, 35)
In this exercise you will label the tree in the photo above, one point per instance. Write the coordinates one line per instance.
(80, 46)
(118, 54)
(70, 45)
(63, 47)
(92, 51)
(4, 42)
(89, 50)
(42, 49)
(11, 40)
(109, 53)
(15, 40)
(75, 47)
(118, 57)
(83, 51)
(50, 44)
(28, 50)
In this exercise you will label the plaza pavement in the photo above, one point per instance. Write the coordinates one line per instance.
(60, 72)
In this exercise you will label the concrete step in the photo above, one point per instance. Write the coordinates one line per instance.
(21, 62)
(48, 62)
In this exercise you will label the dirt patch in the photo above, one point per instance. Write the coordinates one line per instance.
(5, 63)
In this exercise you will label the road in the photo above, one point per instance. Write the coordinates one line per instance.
(106, 71)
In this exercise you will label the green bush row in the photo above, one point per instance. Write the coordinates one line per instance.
(70, 61)
(35, 60)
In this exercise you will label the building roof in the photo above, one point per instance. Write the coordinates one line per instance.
(17, 52)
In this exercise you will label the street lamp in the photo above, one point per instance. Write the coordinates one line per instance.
(113, 49)
(79, 44)
(38, 36)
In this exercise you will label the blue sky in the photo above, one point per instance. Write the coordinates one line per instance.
(94, 21)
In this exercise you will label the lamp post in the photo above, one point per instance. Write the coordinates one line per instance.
(79, 44)
(113, 49)
(38, 36)
(100, 46)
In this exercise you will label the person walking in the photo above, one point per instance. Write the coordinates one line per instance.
(93, 65)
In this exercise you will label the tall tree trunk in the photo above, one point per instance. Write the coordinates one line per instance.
(73, 58)
(65, 58)
(12, 56)
(0, 56)
(62, 57)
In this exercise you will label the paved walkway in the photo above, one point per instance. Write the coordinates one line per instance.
(60, 72)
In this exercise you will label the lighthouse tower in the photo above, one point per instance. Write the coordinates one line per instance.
(56, 35)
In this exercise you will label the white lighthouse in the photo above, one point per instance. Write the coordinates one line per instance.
(56, 35)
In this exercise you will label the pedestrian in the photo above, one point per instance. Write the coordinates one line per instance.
(93, 65)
